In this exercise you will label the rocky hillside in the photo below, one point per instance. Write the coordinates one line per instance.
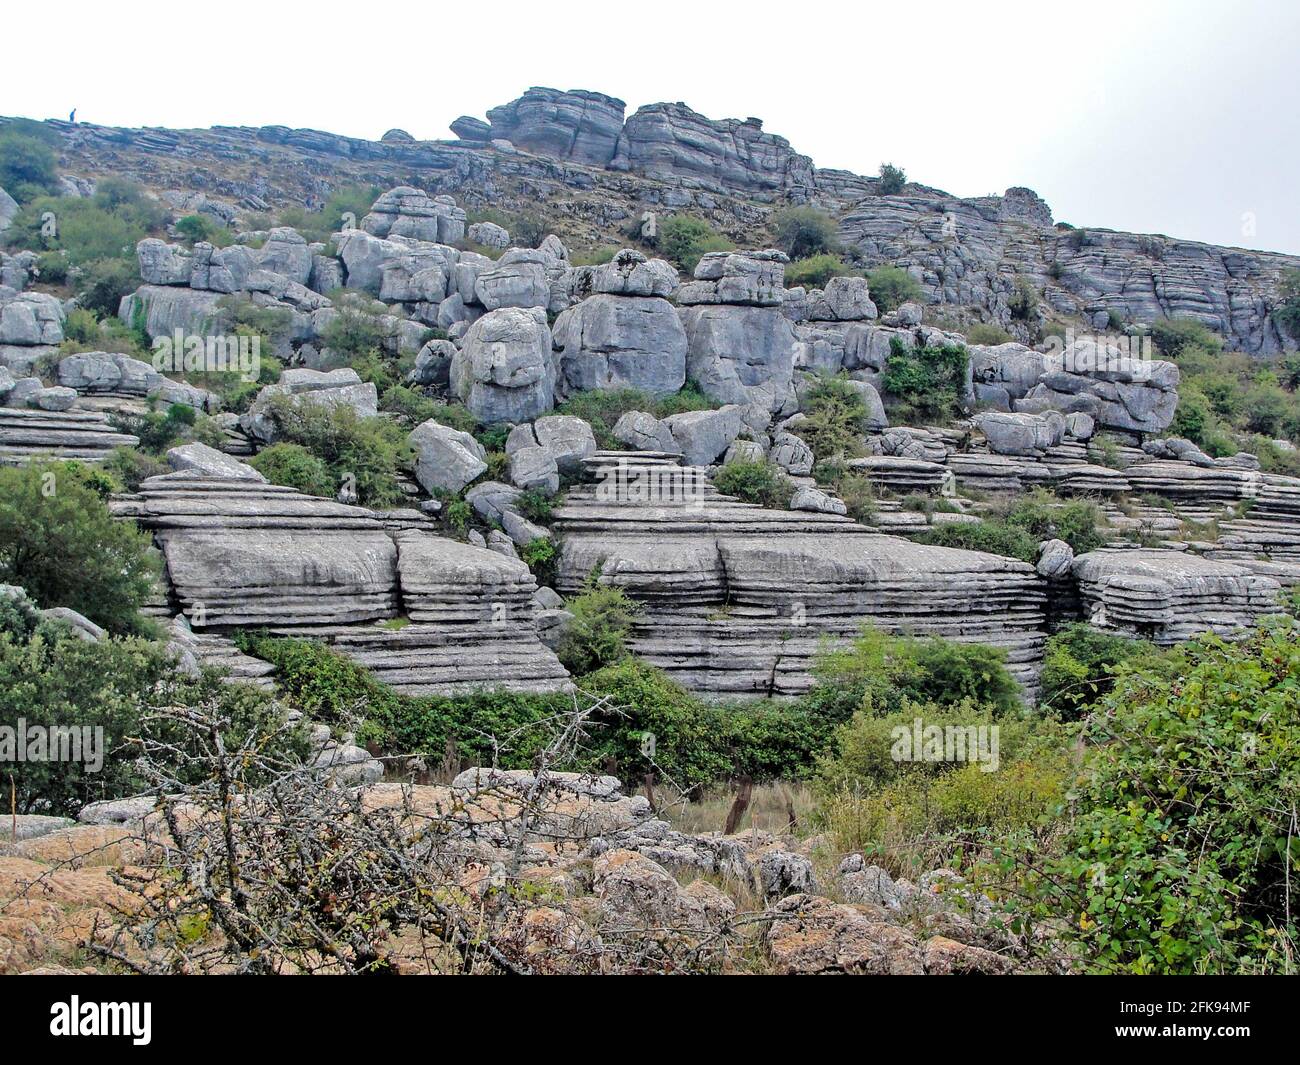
(592, 169)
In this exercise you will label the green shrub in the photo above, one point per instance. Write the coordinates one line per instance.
(540, 555)
(835, 419)
(1184, 839)
(1023, 301)
(319, 226)
(293, 466)
(356, 330)
(1078, 522)
(1175, 337)
(199, 227)
(891, 287)
(27, 160)
(1287, 312)
(101, 284)
(802, 232)
(104, 226)
(51, 677)
(685, 239)
(892, 179)
(156, 431)
(1079, 667)
(59, 542)
(758, 482)
(367, 452)
(815, 271)
(890, 670)
(132, 467)
(925, 383)
(597, 635)
(986, 333)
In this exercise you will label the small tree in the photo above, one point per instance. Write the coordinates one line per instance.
(892, 179)
(805, 231)
(892, 286)
(59, 542)
(1287, 313)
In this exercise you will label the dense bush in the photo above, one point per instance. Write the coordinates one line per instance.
(891, 670)
(891, 287)
(59, 542)
(685, 239)
(992, 536)
(27, 162)
(758, 482)
(835, 419)
(200, 227)
(892, 179)
(1287, 312)
(597, 635)
(1023, 301)
(106, 225)
(52, 677)
(1184, 842)
(356, 329)
(815, 271)
(986, 333)
(367, 452)
(1079, 667)
(294, 466)
(925, 384)
(802, 232)
(1017, 528)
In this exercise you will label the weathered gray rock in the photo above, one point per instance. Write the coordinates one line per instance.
(741, 354)
(644, 432)
(610, 341)
(703, 435)
(336, 388)
(208, 461)
(446, 458)
(489, 235)
(568, 440)
(577, 125)
(409, 212)
(29, 320)
(506, 370)
(1021, 434)
(630, 273)
(534, 469)
(519, 279)
(1055, 559)
(433, 363)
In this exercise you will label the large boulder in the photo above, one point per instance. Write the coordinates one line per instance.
(611, 341)
(568, 440)
(518, 280)
(630, 273)
(741, 354)
(578, 125)
(446, 458)
(506, 371)
(704, 435)
(1021, 434)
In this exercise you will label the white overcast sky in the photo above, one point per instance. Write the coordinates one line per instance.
(1166, 116)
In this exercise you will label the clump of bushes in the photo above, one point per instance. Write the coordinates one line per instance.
(685, 239)
(892, 179)
(986, 333)
(365, 452)
(802, 232)
(293, 466)
(318, 226)
(925, 384)
(1080, 665)
(597, 635)
(1183, 842)
(1016, 529)
(28, 168)
(891, 287)
(758, 482)
(198, 227)
(815, 270)
(59, 542)
(835, 419)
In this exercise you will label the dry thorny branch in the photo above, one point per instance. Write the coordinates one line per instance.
(262, 867)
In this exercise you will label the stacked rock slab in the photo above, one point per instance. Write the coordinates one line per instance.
(243, 553)
(740, 343)
(71, 434)
(739, 599)
(1170, 596)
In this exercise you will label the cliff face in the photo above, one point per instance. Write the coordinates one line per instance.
(573, 155)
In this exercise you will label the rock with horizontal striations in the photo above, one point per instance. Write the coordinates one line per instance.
(578, 125)
(468, 128)
(409, 212)
(1170, 596)
(162, 263)
(519, 279)
(446, 458)
(506, 370)
(1021, 434)
(201, 459)
(71, 434)
(669, 140)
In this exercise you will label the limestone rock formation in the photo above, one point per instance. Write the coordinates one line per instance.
(578, 125)
(506, 371)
